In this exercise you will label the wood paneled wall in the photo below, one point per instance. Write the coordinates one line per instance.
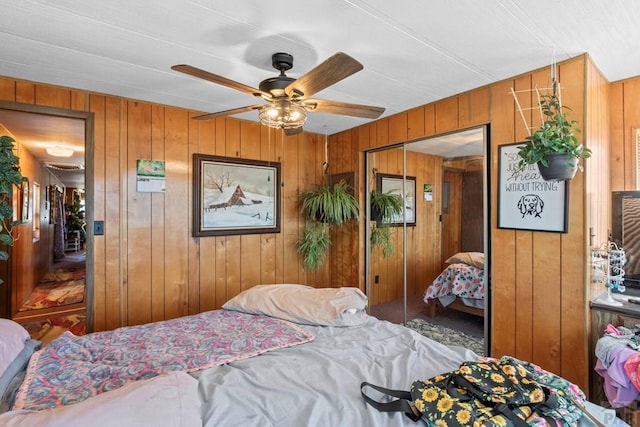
(423, 239)
(147, 265)
(30, 259)
(539, 301)
(625, 119)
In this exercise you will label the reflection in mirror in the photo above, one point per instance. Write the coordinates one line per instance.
(416, 284)
(386, 237)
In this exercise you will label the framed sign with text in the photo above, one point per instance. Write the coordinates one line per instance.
(525, 200)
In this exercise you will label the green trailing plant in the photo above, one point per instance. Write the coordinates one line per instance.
(324, 206)
(381, 237)
(10, 176)
(555, 135)
(384, 207)
(333, 204)
(314, 244)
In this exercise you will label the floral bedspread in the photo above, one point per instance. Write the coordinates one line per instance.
(73, 368)
(457, 279)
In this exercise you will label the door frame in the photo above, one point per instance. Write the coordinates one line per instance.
(88, 118)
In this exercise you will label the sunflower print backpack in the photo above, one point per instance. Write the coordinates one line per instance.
(488, 393)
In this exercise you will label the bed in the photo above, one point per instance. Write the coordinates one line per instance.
(460, 286)
(301, 365)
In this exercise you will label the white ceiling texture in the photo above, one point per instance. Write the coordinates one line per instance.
(413, 51)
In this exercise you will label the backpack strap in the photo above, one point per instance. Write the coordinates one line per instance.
(503, 408)
(403, 403)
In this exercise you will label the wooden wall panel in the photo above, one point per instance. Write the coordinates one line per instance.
(617, 137)
(625, 119)
(503, 242)
(147, 266)
(531, 278)
(539, 279)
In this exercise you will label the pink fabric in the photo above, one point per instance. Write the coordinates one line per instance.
(610, 329)
(457, 279)
(72, 369)
(632, 368)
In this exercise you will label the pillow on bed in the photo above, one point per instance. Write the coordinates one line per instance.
(16, 349)
(475, 259)
(12, 339)
(303, 304)
(169, 399)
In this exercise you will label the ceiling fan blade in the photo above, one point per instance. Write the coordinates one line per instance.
(227, 112)
(331, 71)
(343, 108)
(206, 75)
(292, 131)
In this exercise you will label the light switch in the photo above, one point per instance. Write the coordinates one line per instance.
(98, 228)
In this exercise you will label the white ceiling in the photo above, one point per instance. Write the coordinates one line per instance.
(413, 51)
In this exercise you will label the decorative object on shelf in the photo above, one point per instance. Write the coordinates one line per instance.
(607, 262)
(10, 178)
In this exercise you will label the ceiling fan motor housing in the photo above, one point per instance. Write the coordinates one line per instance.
(283, 62)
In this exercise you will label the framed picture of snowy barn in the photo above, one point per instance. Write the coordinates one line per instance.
(235, 196)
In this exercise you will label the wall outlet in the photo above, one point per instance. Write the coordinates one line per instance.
(376, 279)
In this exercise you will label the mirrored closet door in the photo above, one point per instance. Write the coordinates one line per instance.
(438, 240)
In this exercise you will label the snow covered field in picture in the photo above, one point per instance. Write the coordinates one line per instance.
(238, 196)
(249, 215)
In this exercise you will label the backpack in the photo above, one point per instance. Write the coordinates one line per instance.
(503, 392)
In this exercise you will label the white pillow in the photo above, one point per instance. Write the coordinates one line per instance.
(12, 339)
(303, 304)
(169, 399)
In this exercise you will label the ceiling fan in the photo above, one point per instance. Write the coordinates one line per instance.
(288, 99)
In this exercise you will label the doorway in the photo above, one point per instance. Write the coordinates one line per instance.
(54, 253)
(450, 177)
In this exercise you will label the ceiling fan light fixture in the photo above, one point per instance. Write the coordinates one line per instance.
(59, 151)
(282, 114)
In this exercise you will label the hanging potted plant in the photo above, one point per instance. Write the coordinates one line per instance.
(10, 176)
(554, 146)
(384, 207)
(324, 206)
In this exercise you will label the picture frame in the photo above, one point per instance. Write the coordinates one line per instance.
(348, 177)
(525, 200)
(24, 199)
(235, 196)
(393, 183)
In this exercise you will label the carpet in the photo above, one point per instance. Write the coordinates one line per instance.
(49, 329)
(57, 288)
(447, 336)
